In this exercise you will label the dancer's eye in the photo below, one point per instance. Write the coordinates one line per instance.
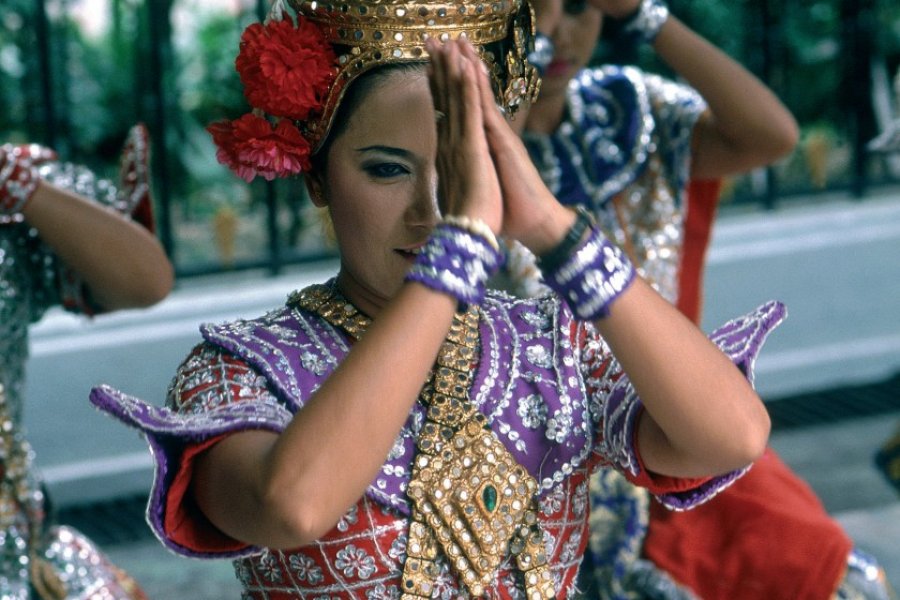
(386, 170)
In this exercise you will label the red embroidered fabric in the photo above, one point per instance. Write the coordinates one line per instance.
(702, 202)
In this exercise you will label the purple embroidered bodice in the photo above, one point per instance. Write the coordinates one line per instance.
(548, 386)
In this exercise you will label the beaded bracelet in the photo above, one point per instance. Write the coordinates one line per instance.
(644, 24)
(592, 277)
(551, 260)
(18, 180)
(457, 261)
(476, 226)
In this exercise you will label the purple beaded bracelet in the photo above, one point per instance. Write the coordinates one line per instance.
(457, 262)
(593, 276)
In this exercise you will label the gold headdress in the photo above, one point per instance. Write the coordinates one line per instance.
(330, 43)
(376, 32)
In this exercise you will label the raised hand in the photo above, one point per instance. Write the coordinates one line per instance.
(531, 214)
(617, 9)
(134, 168)
(468, 184)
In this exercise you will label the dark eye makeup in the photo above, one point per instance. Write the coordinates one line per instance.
(385, 170)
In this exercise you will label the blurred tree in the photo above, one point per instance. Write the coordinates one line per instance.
(20, 81)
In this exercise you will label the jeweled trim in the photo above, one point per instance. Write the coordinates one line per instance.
(592, 278)
(525, 327)
(456, 262)
(469, 496)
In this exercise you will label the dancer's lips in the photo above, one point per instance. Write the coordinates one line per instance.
(557, 68)
(410, 253)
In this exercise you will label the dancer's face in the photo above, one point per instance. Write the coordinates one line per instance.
(574, 39)
(380, 186)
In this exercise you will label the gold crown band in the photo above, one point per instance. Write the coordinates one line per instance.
(408, 23)
(371, 33)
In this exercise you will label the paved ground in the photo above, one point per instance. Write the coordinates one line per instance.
(834, 264)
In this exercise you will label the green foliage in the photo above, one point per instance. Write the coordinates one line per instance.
(208, 89)
(17, 97)
(210, 86)
(95, 79)
(102, 82)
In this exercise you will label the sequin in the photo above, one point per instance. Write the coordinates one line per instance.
(619, 117)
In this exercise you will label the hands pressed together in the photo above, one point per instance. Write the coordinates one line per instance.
(485, 173)
(484, 170)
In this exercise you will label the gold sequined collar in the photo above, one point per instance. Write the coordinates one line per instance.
(325, 300)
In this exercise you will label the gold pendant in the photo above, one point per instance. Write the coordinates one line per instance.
(473, 496)
(478, 503)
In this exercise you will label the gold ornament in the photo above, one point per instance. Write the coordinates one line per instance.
(471, 500)
(369, 33)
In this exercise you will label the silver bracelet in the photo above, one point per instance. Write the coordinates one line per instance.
(18, 181)
(476, 226)
(643, 26)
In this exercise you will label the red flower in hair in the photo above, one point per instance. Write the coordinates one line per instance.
(250, 146)
(286, 70)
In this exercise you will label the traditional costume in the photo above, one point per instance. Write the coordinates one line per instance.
(484, 492)
(553, 399)
(38, 559)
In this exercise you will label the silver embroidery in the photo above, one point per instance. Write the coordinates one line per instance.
(533, 411)
(538, 356)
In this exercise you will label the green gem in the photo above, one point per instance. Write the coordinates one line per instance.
(489, 497)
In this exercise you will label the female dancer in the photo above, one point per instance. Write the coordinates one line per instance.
(399, 432)
(66, 238)
(645, 155)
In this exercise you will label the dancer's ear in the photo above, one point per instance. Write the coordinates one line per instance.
(315, 188)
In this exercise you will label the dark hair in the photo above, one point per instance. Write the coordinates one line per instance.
(353, 97)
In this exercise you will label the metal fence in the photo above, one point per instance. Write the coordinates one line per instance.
(147, 76)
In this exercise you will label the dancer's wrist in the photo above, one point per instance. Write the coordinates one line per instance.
(644, 23)
(474, 226)
(551, 255)
(592, 274)
(458, 260)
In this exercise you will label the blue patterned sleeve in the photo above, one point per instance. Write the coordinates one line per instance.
(675, 108)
